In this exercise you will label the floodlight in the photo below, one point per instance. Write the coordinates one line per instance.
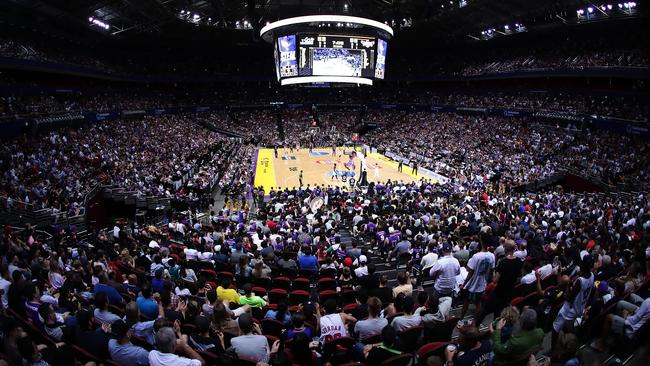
(590, 9)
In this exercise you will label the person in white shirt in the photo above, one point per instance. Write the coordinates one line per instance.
(444, 272)
(480, 267)
(429, 259)
(4, 287)
(529, 278)
(168, 345)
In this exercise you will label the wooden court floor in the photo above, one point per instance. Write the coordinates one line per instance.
(317, 167)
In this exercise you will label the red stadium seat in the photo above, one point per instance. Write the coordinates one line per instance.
(431, 349)
(282, 282)
(278, 295)
(301, 283)
(297, 297)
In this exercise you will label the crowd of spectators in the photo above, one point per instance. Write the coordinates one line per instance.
(627, 107)
(470, 148)
(282, 286)
(148, 156)
(603, 59)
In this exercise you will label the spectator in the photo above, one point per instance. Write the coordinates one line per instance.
(122, 350)
(520, 345)
(168, 344)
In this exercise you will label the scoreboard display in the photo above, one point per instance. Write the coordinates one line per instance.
(336, 55)
(330, 55)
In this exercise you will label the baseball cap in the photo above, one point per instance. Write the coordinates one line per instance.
(153, 244)
(363, 259)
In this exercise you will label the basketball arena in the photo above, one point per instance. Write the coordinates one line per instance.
(324, 183)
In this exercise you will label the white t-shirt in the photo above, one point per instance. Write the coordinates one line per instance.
(449, 268)
(429, 260)
(157, 358)
(481, 263)
(545, 271)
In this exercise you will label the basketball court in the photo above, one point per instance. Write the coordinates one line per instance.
(318, 168)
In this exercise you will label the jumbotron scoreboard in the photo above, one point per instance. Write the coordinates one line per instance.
(328, 49)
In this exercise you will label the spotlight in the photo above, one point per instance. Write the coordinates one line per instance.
(590, 10)
(506, 27)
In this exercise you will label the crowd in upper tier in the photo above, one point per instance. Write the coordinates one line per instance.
(25, 105)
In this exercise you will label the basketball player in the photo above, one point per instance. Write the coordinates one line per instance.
(415, 168)
(334, 173)
(275, 150)
(376, 171)
(300, 179)
(333, 150)
(399, 166)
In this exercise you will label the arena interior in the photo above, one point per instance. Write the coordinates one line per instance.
(324, 182)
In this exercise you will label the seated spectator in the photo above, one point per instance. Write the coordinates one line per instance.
(307, 261)
(122, 350)
(168, 344)
(333, 324)
(383, 292)
(248, 298)
(54, 327)
(373, 324)
(299, 351)
(520, 345)
(203, 341)
(281, 314)
(112, 295)
(102, 314)
(409, 319)
(224, 292)
(376, 354)
(222, 318)
(146, 303)
(404, 285)
(471, 350)
(251, 345)
(93, 341)
(298, 327)
(629, 318)
(144, 329)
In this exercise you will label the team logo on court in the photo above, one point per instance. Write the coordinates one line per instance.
(319, 153)
(288, 158)
(342, 173)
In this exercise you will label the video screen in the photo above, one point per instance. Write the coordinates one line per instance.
(380, 69)
(329, 58)
(336, 61)
(336, 55)
(288, 62)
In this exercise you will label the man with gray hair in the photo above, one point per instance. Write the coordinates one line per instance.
(168, 344)
(521, 344)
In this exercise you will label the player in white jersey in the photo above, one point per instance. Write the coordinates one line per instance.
(333, 324)
(334, 173)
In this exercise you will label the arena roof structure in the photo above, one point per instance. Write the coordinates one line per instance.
(440, 19)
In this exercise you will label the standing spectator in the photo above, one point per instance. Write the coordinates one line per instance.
(507, 272)
(444, 272)
(480, 267)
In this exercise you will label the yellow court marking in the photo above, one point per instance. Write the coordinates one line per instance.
(265, 170)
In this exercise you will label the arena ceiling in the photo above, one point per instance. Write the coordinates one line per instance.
(443, 19)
